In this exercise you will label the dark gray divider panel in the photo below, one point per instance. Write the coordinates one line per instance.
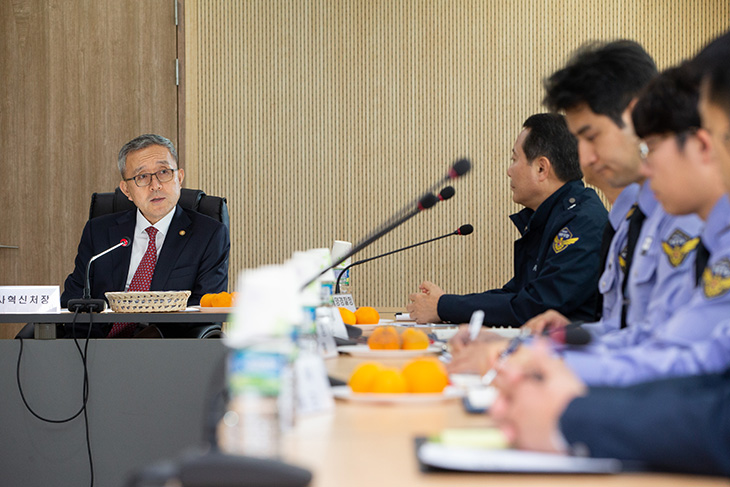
(147, 402)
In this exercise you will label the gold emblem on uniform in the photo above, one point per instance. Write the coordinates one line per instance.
(563, 240)
(678, 246)
(716, 279)
(622, 258)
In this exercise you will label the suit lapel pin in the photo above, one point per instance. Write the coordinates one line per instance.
(182, 233)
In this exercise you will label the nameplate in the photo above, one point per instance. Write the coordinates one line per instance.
(30, 299)
(313, 392)
(325, 336)
(344, 301)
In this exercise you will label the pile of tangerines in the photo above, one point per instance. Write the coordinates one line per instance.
(217, 300)
(421, 375)
(364, 315)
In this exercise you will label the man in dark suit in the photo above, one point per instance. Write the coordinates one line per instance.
(172, 248)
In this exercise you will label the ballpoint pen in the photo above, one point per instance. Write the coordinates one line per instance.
(475, 324)
(491, 374)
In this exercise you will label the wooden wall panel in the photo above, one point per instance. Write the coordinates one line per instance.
(318, 119)
(77, 80)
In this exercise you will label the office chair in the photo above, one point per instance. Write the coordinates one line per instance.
(193, 199)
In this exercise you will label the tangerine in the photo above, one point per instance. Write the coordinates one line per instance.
(384, 338)
(415, 340)
(366, 315)
(207, 300)
(363, 377)
(348, 317)
(389, 380)
(425, 375)
(222, 300)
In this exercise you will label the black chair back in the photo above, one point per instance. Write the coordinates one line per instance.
(215, 207)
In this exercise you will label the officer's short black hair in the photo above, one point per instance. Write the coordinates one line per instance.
(605, 76)
(549, 136)
(712, 64)
(669, 104)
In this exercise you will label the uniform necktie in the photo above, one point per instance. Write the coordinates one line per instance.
(636, 220)
(701, 257)
(140, 282)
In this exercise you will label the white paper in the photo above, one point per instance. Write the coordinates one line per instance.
(483, 460)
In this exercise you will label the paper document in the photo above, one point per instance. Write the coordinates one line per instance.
(484, 460)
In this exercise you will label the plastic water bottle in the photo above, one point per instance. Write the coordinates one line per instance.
(339, 249)
(261, 401)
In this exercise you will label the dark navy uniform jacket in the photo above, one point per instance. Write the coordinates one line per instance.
(680, 424)
(556, 263)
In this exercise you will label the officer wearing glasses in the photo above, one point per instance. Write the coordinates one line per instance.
(172, 248)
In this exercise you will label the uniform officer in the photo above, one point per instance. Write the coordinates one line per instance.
(556, 260)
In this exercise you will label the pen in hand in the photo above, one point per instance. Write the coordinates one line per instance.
(491, 374)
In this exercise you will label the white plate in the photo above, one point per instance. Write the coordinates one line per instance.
(372, 327)
(345, 393)
(364, 351)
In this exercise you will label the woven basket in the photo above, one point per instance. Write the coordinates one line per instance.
(148, 301)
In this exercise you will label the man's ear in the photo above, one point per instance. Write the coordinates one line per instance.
(181, 175)
(626, 115)
(703, 137)
(543, 167)
(125, 189)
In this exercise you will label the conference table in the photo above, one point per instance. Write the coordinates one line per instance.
(149, 399)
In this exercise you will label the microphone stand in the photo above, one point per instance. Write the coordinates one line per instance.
(337, 283)
(426, 202)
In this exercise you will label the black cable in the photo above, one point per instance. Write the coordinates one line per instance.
(85, 395)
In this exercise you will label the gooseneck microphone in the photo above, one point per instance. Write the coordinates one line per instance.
(458, 169)
(462, 230)
(86, 304)
(570, 334)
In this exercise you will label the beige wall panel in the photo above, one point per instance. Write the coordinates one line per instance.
(318, 119)
(77, 80)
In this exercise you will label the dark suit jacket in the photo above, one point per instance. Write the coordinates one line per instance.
(194, 256)
(680, 424)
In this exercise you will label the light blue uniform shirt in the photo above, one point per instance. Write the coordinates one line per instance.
(662, 273)
(695, 340)
(609, 285)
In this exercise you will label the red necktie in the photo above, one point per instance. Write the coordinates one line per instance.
(140, 282)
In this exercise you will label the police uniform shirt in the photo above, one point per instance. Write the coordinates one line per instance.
(695, 340)
(610, 283)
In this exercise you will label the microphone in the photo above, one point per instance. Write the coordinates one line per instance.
(446, 193)
(458, 169)
(86, 304)
(570, 334)
(426, 202)
(462, 230)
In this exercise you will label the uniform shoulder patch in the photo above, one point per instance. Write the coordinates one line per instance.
(678, 246)
(716, 279)
(563, 240)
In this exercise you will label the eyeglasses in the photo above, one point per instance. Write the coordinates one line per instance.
(163, 176)
(645, 148)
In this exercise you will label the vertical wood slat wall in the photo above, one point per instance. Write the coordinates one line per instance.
(317, 119)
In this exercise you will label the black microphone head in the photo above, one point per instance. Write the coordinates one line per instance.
(427, 201)
(571, 334)
(447, 193)
(464, 230)
(577, 336)
(124, 241)
(460, 167)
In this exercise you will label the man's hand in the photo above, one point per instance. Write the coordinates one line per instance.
(548, 319)
(461, 339)
(477, 357)
(423, 307)
(533, 394)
